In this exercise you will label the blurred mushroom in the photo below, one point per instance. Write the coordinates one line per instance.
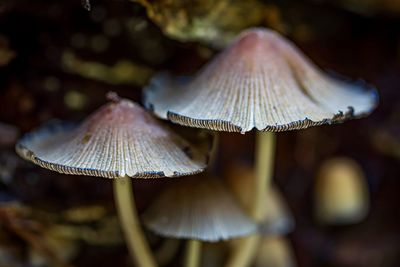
(120, 140)
(198, 208)
(261, 81)
(340, 193)
(276, 216)
(274, 251)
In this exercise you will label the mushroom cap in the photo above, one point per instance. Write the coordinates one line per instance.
(198, 207)
(277, 218)
(341, 192)
(260, 81)
(119, 139)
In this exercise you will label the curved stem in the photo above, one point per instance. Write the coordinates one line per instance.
(192, 255)
(126, 208)
(244, 253)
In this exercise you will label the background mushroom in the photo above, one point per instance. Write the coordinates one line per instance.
(340, 194)
(276, 216)
(120, 140)
(198, 208)
(274, 251)
(261, 81)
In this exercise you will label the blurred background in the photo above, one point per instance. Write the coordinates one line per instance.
(58, 60)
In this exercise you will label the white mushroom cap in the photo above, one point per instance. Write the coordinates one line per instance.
(119, 139)
(261, 81)
(198, 207)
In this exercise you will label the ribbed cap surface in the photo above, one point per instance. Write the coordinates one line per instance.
(119, 139)
(260, 81)
(198, 208)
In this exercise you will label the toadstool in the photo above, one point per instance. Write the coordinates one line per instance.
(198, 208)
(340, 192)
(260, 81)
(120, 140)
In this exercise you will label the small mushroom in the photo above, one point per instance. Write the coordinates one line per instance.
(120, 140)
(341, 193)
(199, 208)
(276, 216)
(274, 251)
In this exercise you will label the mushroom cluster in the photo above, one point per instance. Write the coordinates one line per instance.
(260, 81)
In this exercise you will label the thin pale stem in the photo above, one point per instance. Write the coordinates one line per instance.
(244, 253)
(126, 208)
(265, 150)
(193, 252)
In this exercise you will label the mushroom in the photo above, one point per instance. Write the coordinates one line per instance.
(261, 81)
(340, 193)
(274, 251)
(198, 208)
(276, 216)
(120, 140)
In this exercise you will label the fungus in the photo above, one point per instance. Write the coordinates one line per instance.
(276, 216)
(274, 251)
(120, 140)
(261, 81)
(198, 208)
(340, 193)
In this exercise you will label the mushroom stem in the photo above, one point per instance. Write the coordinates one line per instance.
(245, 252)
(126, 208)
(193, 251)
(265, 148)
